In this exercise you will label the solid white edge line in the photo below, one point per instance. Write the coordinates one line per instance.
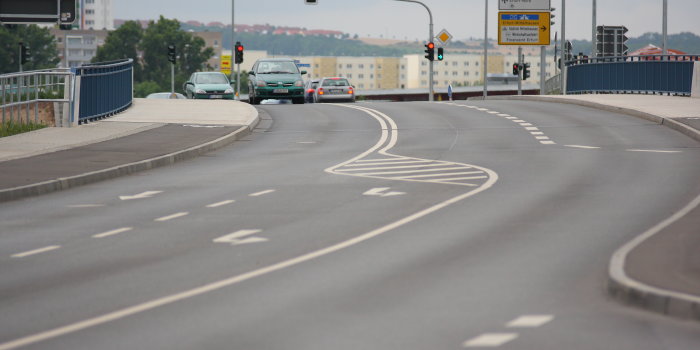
(112, 232)
(617, 262)
(36, 251)
(582, 147)
(172, 216)
(652, 151)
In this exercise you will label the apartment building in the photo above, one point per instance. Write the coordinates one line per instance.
(213, 40)
(77, 47)
(96, 14)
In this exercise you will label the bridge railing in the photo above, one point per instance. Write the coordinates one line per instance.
(664, 74)
(106, 88)
(39, 97)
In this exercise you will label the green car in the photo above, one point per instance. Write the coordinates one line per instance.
(208, 85)
(275, 78)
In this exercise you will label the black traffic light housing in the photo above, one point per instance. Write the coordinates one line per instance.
(238, 53)
(430, 51)
(440, 53)
(516, 69)
(25, 53)
(172, 54)
(526, 71)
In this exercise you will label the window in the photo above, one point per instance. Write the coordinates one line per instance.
(379, 76)
(455, 73)
(466, 64)
(89, 23)
(466, 74)
(74, 41)
(349, 76)
(455, 63)
(360, 76)
(349, 66)
(216, 43)
(361, 66)
(89, 12)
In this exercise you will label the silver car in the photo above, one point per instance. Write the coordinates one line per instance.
(335, 89)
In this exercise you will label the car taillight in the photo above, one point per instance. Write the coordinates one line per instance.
(320, 91)
(311, 91)
(350, 91)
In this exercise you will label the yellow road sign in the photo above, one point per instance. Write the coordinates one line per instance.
(523, 28)
(444, 36)
(226, 64)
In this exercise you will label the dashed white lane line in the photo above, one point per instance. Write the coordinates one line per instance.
(490, 340)
(542, 137)
(525, 124)
(518, 121)
(530, 321)
(172, 216)
(220, 204)
(652, 151)
(582, 147)
(261, 193)
(536, 133)
(531, 128)
(36, 251)
(548, 142)
(503, 115)
(113, 232)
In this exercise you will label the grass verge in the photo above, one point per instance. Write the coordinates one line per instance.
(10, 128)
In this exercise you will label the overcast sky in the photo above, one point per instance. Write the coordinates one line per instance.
(401, 20)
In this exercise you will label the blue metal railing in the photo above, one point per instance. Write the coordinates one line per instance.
(669, 74)
(106, 88)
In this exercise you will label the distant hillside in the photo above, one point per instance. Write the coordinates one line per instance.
(686, 42)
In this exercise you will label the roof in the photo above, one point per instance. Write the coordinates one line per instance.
(654, 50)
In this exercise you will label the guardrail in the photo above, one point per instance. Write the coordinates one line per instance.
(106, 88)
(40, 97)
(663, 74)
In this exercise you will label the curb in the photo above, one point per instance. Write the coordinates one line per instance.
(620, 285)
(64, 183)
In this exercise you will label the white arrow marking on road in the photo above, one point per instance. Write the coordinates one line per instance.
(379, 192)
(236, 238)
(141, 195)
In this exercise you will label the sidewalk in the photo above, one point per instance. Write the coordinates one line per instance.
(660, 269)
(151, 133)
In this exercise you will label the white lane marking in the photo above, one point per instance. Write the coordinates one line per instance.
(536, 133)
(258, 194)
(86, 205)
(113, 232)
(220, 204)
(139, 308)
(237, 238)
(519, 121)
(141, 195)
(390, 163)
(530, 321)
(542, 137)
(493, 112)
(203, 126)
(583, 147)
(490, 340)
(652, 151)
(398, 167)
(461, 178)
(531, 128)
(511, 118)
(172, 216)
(504, 115)
(525, 124)
(439, 175)
(36, 251)
(306, 142)
(380, 160)
(380, 191)
(406, 171)
(548, 142)
(483, 109)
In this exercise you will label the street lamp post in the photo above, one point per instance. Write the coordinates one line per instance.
(430, 39)
(486, 46)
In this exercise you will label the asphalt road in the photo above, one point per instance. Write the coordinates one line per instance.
(358, 226)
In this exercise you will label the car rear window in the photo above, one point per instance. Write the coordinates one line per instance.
(211, 79)
(335, 82)
(277, 67)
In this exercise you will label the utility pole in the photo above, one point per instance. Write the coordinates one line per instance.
(543, 69)
(595, 31)
(664, 47)
(563, 43)
(431, 88)
(520, 70)
(233, 40)
(486, 46)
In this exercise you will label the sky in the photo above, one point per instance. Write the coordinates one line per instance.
(409, 21)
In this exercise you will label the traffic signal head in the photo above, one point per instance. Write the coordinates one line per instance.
(516, 69)
(526, 71)
(430, 51)
(238, 52)
(172, 54)
(25, 53)
(440, 53)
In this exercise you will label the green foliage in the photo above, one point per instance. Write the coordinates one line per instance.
(145, 88)
(42, 46)
(122, 43)
(10, 128)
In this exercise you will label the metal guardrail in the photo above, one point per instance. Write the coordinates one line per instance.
(664, 74)
(106, 88)
(42, 96)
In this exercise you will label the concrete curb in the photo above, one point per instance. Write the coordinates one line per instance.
(620, 285)
(126, 169)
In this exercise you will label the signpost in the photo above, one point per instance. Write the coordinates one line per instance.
(520, 5)
(524, 28)
(226, 64)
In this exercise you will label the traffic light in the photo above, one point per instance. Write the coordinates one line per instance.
(430, 51)
(25, 53)
(172, 54)
(238, 53)
(440, 54)
(516, 69)
(311, 2)
(526, 71)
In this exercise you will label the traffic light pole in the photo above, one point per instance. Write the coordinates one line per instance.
(431, 88)
(172, 78)
(20, 57)
(520, 70)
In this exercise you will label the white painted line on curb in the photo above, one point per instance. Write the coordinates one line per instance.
(490, 340)
(220, 204)
(258, 194)
(530, 321)
(36, 251)
(113, 232)
(173, 216)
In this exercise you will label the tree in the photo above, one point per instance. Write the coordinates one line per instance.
(191, 51)
(123, 43)
(41, 43)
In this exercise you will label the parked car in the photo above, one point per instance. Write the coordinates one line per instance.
(167, 95)
(334, 89)
(310, 90)
(275, 78)
(208, 85)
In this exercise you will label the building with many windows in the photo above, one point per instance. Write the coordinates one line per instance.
(96, 14)
(77, 47)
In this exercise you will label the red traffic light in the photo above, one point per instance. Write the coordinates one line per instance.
(431, 45)
(239, 48)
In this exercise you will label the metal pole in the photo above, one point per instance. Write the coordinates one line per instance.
(172, 78)
(486, 46)
(233, 40)
(543, 69)
(664, 47)
(520, 70)
(563, 49)
(238, 83)
(431, 88)
(593, 36)
(20, 57)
